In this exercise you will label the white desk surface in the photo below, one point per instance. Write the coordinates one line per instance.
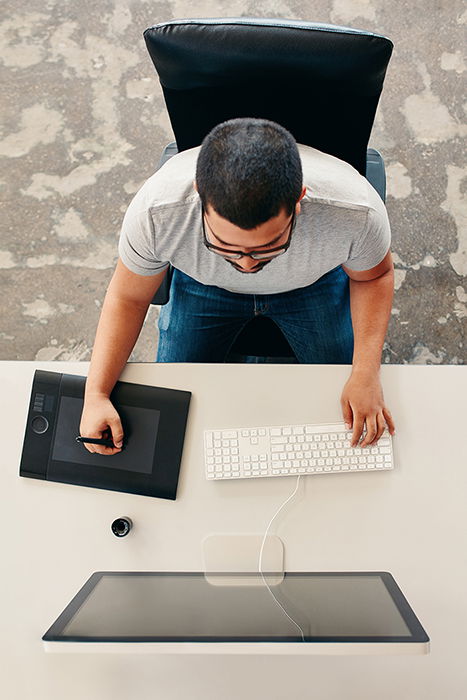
(410, 521)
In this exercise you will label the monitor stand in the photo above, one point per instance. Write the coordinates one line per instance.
(239, 554)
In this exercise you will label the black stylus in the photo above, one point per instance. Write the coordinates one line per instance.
(96, 441)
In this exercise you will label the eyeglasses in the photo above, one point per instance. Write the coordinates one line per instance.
(255, 254)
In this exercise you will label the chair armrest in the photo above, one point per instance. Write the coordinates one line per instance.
(375, 173)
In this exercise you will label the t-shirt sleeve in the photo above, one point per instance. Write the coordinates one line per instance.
(374, 242)
(137, 244)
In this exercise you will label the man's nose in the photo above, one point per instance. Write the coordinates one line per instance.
(247, 263)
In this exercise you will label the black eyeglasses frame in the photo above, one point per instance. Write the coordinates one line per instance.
(237, 254)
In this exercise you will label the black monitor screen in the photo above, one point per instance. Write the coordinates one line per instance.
(146, 606)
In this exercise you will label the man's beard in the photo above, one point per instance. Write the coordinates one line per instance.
(249, 272)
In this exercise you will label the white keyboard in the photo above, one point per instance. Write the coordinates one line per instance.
(286, 450)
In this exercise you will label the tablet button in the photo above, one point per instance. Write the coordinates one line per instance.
(39, 424)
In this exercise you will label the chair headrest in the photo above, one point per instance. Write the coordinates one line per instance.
(322, 82)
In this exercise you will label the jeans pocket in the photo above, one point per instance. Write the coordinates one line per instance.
(164, 317)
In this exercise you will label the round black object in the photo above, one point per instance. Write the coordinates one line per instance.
(121, 526)
(39, 424)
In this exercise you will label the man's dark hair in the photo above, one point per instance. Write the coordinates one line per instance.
(248, 170)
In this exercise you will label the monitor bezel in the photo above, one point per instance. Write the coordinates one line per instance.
(417, 633)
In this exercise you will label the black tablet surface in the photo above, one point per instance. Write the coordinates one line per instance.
(154, 422)
(307, 608)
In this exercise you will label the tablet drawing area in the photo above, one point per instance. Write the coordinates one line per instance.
(140, 427)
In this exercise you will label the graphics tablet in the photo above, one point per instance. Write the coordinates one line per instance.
(306, 613)
(154, 421)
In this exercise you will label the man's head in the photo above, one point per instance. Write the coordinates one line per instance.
(249, 178)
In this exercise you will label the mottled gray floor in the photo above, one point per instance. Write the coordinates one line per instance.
(84, 122)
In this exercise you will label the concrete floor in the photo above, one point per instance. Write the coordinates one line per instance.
(84, 122)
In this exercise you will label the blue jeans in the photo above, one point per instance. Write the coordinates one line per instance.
(201, 322)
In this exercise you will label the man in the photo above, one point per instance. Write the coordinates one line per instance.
(269, 227)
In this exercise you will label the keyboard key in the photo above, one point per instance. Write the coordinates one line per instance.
(229, 434)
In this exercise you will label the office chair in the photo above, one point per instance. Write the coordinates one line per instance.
(321, 82)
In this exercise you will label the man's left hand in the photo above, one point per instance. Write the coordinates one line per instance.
(363, 406)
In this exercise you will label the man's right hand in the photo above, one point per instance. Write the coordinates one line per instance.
(99, 416)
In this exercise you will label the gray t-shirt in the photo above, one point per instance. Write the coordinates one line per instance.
(342, 221)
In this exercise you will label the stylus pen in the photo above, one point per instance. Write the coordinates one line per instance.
(95, 441)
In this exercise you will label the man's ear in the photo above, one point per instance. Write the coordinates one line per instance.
(302, 194)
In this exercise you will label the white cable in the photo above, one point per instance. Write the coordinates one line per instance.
(261, 557)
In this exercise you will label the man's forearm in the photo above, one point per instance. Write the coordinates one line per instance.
(370, 304)
(118, 330)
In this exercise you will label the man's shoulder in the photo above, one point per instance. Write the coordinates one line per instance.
(172, 183)
(331, 180)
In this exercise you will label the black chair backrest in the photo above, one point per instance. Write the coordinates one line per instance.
(321, 82)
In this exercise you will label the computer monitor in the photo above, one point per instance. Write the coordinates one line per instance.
(305, 613)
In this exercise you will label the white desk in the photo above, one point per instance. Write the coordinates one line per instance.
(411, 522)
